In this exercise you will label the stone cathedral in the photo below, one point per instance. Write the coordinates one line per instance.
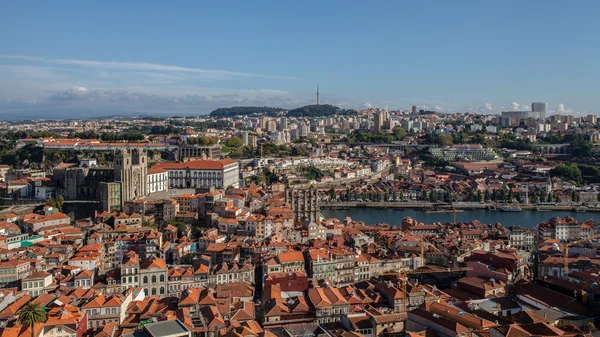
(131, 170)
(304, 203)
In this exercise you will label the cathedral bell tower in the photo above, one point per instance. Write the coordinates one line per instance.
(131, 170)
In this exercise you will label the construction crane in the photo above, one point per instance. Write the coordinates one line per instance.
(566, 251)
(403, 276)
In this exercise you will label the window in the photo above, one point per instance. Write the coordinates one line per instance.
(153, 291)
(162, 278)
(153, 278)
(162, 290)
(145, 279)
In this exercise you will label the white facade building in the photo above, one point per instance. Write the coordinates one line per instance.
(158, 180)
(464, 152)
(202, 173)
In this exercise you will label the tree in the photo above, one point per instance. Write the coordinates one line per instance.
(494, 195)
(30, 314)
(401, 196)
(181, 227)
(399, 132)
(57, 202)
(574, 197)
(478, 139)
(580, 146)
(444, 140)
(299, 150)
(235, 142)
(424, 195)
(332, 193)
(568, 172)
(486, 195)
(471, 195)
(447, 197)
(479, 196)
(432, 196)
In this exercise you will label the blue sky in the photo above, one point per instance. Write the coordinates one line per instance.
(191, 57)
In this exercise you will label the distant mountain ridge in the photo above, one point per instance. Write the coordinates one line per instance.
(321, 110)
(79, 114)
(245, 110)
(313, 110)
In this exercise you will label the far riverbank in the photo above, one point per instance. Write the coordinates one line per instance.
(394, 217)
(429, 206)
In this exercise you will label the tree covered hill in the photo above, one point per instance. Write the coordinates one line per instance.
(244, 110)
(314, 110)
(317, 111)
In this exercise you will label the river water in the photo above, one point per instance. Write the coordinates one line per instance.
(394, 216)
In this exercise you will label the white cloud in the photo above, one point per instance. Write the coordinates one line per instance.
(28, 82)
(367, 105)
(560, 109)
(83, 98)
(515, 106)
(488, 107)
(210, 74)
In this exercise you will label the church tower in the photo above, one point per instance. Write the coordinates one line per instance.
(131, 170)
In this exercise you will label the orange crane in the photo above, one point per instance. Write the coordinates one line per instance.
(403, 276)
(566, 251)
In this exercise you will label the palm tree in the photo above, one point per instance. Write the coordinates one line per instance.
(30, 314)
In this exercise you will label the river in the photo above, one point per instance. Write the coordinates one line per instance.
(394, 216)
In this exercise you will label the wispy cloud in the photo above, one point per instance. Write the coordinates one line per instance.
(31, 82)
(209, 74)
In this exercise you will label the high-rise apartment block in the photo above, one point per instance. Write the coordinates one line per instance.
(539, 107)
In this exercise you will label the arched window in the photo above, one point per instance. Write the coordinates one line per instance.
(162, 278)
(153, 278)
(145, 279)
(153, 291)
(162, 290)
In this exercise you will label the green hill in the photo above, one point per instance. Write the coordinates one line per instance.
(245, 110)
(317, 111)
